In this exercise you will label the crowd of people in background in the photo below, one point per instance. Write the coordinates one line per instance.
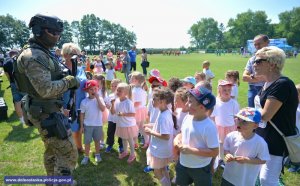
(180, 120)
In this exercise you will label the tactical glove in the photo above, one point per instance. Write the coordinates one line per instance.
(73, 82)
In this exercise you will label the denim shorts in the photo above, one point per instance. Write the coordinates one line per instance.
(17, 96)
(198, 176)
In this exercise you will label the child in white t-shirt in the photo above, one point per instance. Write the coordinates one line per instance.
(139, 98)
(208, 73)
(126, 128)
(111, 129)
(198, 140)
(181, 108)
(234, 78)
(110, 74)
(91, 120)
(244, 150)
(160, 153)
(223, 113)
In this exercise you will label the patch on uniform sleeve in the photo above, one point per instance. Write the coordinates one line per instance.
(43, 61)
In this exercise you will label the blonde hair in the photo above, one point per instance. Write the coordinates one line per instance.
(69, 48)
(206, 63)
(126, 88)
(116, 81)
(273, 55)
(233, 74)
(138, 76)
(201, 74)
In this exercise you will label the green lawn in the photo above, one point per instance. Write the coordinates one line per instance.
(21, 149)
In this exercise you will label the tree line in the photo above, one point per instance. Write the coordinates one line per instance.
(91, 33)
(209, 34)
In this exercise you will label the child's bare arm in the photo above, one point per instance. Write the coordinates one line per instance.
(208, 152)
(243, 159)
(149, 131)
(126, 114)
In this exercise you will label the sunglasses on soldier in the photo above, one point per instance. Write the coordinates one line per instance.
(53, 32)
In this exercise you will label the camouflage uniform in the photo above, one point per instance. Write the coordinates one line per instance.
(36, 63)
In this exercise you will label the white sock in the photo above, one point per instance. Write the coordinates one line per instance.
(22, 120)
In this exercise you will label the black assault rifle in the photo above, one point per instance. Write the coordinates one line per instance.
(72, 101)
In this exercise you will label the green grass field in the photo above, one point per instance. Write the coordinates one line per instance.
(21, 149)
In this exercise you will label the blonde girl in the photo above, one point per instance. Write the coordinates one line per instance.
(126, 127)
(139, 98)
(224, 111)
(234, 78)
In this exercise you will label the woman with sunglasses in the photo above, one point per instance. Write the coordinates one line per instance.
(278, 100)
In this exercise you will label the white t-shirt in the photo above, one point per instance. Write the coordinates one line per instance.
(110, 74)
(139, 95)
(107, 100)
(158, 147)
(201, 135)
(298, 117)
(125, 106)
(224, 112)
(235, 91)
(244, 173)
(179, 117)
(92, 113)
(208, 74)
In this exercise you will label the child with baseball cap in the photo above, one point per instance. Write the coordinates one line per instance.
(244, 150)
(198, 141)
(223, 114)
(189, 82)
(91, 119)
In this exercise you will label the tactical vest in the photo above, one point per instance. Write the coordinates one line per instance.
(22, 82)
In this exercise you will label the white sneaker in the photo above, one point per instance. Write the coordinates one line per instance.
(85, 160)
(98, 158)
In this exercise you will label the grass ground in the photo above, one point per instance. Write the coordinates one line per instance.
(21, 149)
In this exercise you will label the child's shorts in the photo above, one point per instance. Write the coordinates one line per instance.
(223, 131)
(198, 176)
(92, 132)
(157, 163)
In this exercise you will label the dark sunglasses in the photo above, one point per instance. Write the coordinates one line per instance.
(54, 32)
(259, 61)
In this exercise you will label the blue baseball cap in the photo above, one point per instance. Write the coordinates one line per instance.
(203, 96)
(249, 114)
(189, 79)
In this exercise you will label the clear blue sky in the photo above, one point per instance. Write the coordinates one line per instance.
(157, 23)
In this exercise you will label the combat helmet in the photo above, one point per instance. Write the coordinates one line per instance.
(42, 21)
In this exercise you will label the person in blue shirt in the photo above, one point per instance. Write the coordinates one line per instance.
(132, 55)
(68, 50)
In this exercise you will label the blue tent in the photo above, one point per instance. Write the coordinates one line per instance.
(284, 47)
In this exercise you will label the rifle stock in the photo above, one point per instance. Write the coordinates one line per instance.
(72, 102)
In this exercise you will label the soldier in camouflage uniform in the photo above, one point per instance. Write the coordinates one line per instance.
(40, 76)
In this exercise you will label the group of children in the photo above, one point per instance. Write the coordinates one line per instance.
(181, 121)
